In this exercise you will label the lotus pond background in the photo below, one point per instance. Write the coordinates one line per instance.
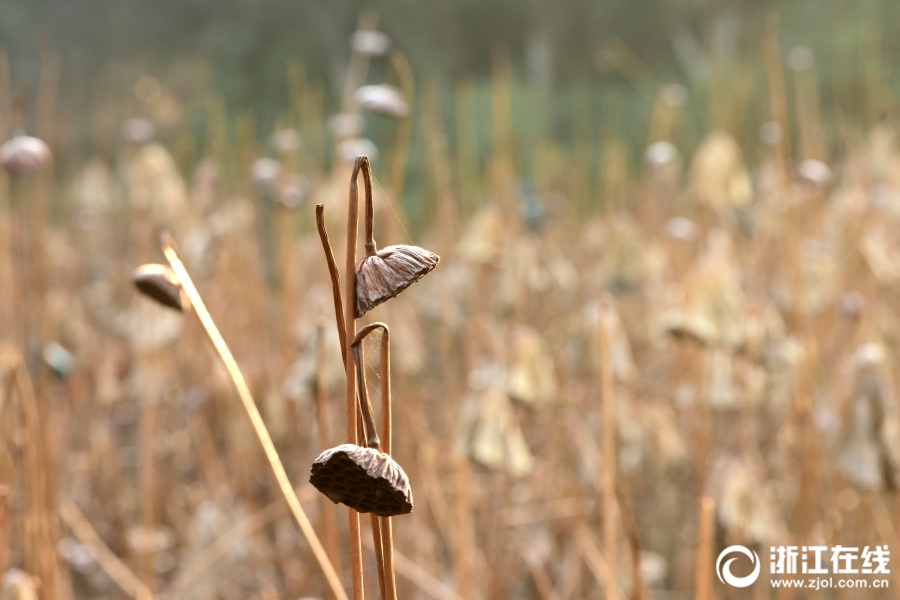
(702, 196)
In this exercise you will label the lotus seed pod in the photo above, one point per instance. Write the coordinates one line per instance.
(265, 172)
(137, 131)
(160, 283)
(391, 270)
(24, 154)
(814, 172)
(364, 479)
(287, 140)
(373, 43)
(384, 100)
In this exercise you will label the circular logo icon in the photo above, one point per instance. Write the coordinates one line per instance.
(724, 571)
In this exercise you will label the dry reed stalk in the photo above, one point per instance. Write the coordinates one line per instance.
(779, 114)
(608, 463)
(570, 582)
(350, 333)
(777, 97)
(663, 118)
(874, 87)
(539, 575)
(21, 262)
(5, 94)
(502, 170)
(47, 92)
(638, 588)
(148, 488)
(329, 532)
(297, 87)
(447, 213)
(381, 526)
(706, 539)
(881, 518)
(4, 526)
(429, 453)
(204, 561)
(468, 172)
(397, 179)
(809, 458)
(358, 68)
(595, 559)
(100, 552)
(40, 530)
(259, 426)
(425, 581)
(369, 433)
(806, 99)
(311, 120)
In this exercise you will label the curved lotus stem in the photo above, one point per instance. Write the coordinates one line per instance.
(366, 167)
(350, 333)
(342, 335)
(250, 406)
(386, 430)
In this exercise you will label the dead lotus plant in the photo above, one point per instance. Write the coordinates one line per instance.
(357, 473)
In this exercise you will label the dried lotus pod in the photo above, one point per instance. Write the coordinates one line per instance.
(160, 283)
(364, 479)
(24, 154)
(388, 272)
(384, 100)
(381, 275)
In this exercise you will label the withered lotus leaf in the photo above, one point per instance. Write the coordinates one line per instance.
(388, 272)
(160, 283)
(364, 479)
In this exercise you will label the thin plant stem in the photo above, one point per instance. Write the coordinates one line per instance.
(335, 279)
(259, 426)
(609, 449)
(4, 526)
(350, 328)
(342, 335)
(329, 532)
(118, 571)
(369, 433)
(387, 541)
(705, 544)
(371, 248)
(204, 561)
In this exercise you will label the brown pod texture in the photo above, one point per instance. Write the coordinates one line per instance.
(364, 479)
(383, 275)
(160, 283)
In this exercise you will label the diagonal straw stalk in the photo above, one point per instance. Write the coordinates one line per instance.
(250, 406)
(608, 464)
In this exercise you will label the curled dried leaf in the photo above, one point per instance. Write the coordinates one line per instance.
(364, 479)
(388, 272)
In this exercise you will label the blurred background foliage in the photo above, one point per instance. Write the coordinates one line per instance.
(583, 71)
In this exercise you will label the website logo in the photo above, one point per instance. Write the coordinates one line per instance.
(724, 571)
